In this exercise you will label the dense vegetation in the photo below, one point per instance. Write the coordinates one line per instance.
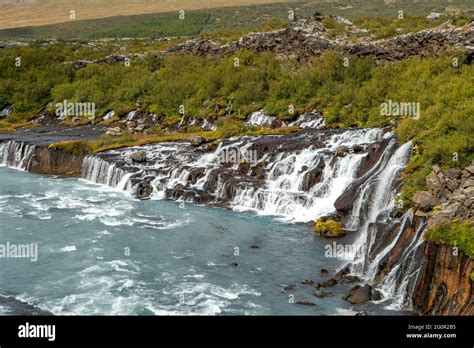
(459, 234)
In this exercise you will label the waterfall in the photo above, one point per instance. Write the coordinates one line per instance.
(378, 190)
(372, 216)
(299, 184)
(311, 119)
(107, 173)
(297, 178)
(260, 119)
(397, 286)
(208, 126)
(283, 194)
(16, 154)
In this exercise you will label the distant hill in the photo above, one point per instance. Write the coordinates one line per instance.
(22, 13)
(163, 20)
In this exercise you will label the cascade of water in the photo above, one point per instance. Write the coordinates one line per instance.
(397, 286)
(16, 154)
(309, 120)
(259, 118)
(285, 191)
(107, 173)
(382, 200)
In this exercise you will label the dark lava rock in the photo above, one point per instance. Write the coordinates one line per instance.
(13, 306)
(243, 168)
(350, 279)
(324, 271)
(289, 287)
(342, 151)
(321, 293)
(313, 177)
(259, 170)
(376, 295)
(345, 271)
(144, 190)
(362, 314)
(359, 294)
(358, 148)
(327, 284)
(319, 144)
(305, 303)
(254, 247)
(307, 282)
(235, 264)
(454, 173)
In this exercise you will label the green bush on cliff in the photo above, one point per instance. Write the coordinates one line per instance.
(328, 228)
(459, 234)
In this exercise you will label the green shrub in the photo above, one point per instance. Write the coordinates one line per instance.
(458, 234)
(328, 228)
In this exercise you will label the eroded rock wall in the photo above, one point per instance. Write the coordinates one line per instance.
(444, 286)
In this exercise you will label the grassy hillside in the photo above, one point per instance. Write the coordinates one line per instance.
(43, 12)
(220, 19)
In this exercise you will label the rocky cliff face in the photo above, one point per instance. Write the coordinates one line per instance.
(55, 162)
(434, 279)
(308, 37)
(450, 195)
(28, 149)
(444, 285)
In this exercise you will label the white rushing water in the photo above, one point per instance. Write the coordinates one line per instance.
(311, 119)
(382, 200)
(16, 154)
(397, 286)
(282, 193)
(260, 119)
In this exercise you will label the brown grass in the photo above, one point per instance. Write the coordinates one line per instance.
(107, 143)
(42, 12)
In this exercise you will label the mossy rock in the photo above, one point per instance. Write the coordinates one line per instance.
(329, 228)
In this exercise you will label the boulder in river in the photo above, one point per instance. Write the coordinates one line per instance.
(327, 284)
(321, 293)
(139, 156)
(144, 190)
(359, 294)
(305, 303)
